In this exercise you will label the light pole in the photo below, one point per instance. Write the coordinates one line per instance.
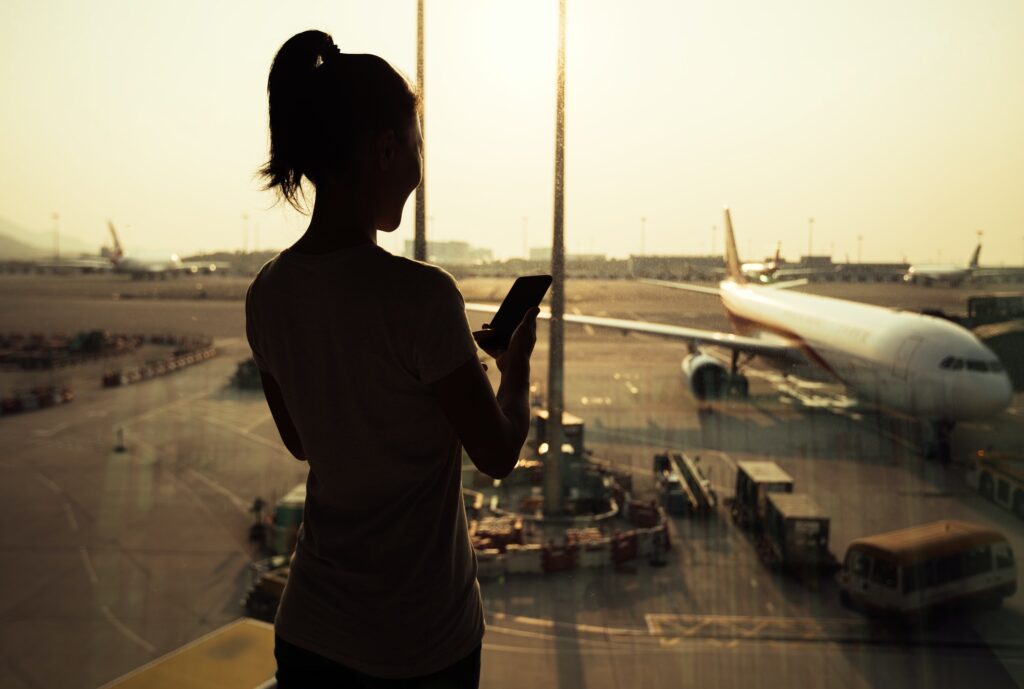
(420, 234)
(556, 391)
(56, 237)
(810, 238)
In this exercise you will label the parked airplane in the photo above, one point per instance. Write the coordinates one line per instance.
(943, 272)
(926, 367)
(159, 268)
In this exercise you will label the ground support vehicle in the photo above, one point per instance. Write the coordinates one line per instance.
(795, 534)
(754, 482)
(675, 494)
(264, 595)
(911, 571)
(288, 514)
(999, 478)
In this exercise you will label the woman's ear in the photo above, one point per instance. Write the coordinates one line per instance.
(387, 149)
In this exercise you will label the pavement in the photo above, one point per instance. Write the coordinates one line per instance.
(112, 559)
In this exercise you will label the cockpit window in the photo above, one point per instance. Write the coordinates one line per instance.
(952, 363)
(975, 365)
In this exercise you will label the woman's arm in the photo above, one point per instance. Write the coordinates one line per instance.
(492, 427)
(285, 425)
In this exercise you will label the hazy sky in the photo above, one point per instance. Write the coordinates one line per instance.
(899, 121)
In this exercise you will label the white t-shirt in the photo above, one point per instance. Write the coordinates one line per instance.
(384, 575)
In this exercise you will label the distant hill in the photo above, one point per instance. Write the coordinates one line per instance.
(42, 240)
(13, 250)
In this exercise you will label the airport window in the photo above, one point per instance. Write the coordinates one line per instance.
(778, 357)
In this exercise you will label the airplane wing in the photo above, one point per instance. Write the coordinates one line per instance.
(714, 291)
(776, 347)
(699, 289)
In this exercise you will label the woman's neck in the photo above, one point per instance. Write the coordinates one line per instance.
(339, 221)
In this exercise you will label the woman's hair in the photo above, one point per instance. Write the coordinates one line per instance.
(321, 102)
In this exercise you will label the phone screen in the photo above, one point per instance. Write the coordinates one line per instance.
(526, 293)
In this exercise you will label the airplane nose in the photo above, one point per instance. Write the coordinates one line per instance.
(983, 397)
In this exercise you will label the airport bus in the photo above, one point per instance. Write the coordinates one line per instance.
(908, 571)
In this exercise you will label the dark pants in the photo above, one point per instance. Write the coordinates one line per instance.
(298, 668)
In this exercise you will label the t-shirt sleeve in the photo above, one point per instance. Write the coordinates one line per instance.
(250, 328)
(444, 340)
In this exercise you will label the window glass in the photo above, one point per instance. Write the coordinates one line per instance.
(978, 561)
(884, 573)
(151, 500)
(1004, 557)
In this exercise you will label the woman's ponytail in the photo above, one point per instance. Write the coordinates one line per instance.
(320, 101)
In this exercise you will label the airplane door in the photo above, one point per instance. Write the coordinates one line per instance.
(903, 356)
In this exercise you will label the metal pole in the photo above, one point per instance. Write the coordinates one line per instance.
(420, 237)
(56, 237)
(553, 460)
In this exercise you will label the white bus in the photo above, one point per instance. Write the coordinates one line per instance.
(910, 570)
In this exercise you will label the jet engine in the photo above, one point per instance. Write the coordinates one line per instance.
(707, 378)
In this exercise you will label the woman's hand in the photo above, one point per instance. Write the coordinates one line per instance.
(520, 345)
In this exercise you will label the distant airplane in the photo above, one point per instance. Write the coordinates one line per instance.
(776, 270)
(159, 268)
(925, 367)
(956, 275)
(943, 272)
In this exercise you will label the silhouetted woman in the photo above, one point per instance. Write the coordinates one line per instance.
(371, 374)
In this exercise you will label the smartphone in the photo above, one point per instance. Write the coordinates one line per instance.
(526, 293)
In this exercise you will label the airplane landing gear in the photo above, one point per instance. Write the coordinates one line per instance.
(938, 445)
(739, 384)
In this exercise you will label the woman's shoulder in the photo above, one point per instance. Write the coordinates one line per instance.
(426, 276)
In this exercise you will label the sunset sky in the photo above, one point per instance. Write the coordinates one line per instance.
(901, 121)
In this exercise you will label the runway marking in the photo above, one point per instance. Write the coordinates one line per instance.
(47, 432)
(72, 522)
(238, 502)
(245, 434)
(132, 420)
(552, 624)
(90, 571)
(57, 490)
(255, 424)
(126, 632)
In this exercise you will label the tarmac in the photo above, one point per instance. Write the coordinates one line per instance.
(111, 559)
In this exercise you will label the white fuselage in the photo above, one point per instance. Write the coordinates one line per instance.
(920, 365)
